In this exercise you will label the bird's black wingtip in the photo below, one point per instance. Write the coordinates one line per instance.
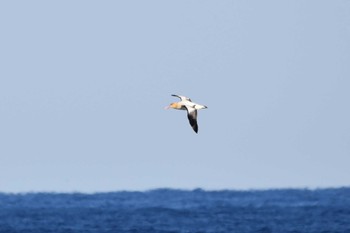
(195, 129)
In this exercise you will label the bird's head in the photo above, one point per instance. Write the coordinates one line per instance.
(172, 105)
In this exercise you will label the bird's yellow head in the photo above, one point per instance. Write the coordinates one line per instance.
(173, 105)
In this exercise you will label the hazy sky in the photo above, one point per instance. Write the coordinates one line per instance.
(83, 86)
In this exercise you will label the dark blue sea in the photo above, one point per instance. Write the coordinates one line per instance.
(171, 211)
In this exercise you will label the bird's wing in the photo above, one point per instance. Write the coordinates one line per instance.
(182, 97)
(192, 118)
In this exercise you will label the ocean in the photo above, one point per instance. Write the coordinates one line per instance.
(172, 211)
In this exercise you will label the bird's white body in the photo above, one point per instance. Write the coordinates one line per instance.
(189, 104)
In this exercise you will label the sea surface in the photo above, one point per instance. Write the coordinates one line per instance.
(171, 211)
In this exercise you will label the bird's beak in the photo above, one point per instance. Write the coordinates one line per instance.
(167, 107)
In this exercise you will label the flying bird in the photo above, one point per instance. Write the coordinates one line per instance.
(191, 108)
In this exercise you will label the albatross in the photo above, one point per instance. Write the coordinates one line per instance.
(186, 103)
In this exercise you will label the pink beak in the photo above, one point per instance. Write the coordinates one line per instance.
(167, 107)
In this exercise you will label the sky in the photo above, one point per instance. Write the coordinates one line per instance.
(83, 86)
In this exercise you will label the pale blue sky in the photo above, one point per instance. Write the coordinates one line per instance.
(83, 85)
